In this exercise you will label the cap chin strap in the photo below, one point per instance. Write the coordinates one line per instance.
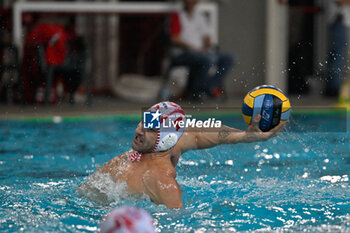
(135, 156)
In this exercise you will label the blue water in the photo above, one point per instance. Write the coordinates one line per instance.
(296, 182)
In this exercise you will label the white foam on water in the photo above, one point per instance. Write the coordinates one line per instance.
(101, 188)
(88, 228)
(335, 179)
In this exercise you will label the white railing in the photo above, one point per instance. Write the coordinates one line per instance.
(99, 7)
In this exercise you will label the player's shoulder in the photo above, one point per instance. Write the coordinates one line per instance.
(155, 178)
(161, 169)
(114, 162)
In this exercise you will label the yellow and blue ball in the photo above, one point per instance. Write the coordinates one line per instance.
(268, 101)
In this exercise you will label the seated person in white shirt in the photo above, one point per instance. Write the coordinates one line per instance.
(189, 33)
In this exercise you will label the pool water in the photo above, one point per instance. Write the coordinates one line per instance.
(296, 182)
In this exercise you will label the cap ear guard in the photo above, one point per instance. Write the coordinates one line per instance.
(168, 135)
(167, 142)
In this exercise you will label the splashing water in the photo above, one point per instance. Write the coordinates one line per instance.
(296, 182)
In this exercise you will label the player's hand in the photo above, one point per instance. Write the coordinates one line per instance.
(254, 133)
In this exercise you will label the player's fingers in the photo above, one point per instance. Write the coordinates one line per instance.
(256, 121)
(276, 130)
(280, 127)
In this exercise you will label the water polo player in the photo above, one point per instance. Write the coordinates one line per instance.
(149, 167)
(127, 219)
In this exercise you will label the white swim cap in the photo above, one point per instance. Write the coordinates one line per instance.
(172, 125)
(127, 220)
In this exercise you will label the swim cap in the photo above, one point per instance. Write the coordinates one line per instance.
(127, 220)
(170, 129)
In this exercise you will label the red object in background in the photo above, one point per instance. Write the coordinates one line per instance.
(53, 37)
(175, 26)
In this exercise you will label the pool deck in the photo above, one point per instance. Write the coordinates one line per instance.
(106, 106)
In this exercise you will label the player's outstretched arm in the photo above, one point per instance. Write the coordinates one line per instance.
(196, 138)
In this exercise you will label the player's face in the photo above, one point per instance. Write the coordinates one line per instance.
(144, 139)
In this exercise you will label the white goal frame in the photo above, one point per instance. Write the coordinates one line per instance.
(102, 7)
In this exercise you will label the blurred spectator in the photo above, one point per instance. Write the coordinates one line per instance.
(193, 48)
(127, 220)
(10, 90)
(339, 20)
(50, 50)
(301, 49)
